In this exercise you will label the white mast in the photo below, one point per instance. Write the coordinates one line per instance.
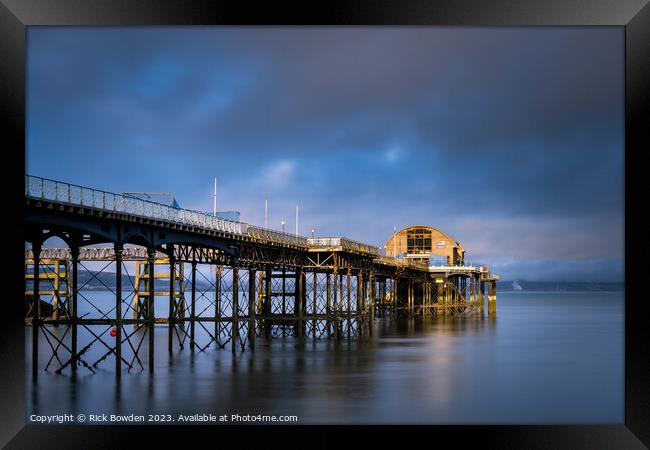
(266, 213)
(214, 199)
(296, 218)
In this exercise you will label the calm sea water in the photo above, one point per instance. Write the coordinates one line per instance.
(545, 358)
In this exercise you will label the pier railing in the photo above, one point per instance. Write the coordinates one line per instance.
(72, 194)
(401, 262)
(276, 236)
(343, 243)
(94, 253)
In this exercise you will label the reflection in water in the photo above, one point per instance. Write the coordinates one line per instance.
(545, 358)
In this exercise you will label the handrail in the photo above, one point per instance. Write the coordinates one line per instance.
(93, 253)
(72, 194)
(46, 189)
(276, 236)
(344, 243)
(401, 262)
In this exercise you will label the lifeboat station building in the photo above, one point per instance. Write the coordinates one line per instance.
(445, 256)
(427, 245)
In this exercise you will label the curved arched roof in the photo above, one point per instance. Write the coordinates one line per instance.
(429, 228)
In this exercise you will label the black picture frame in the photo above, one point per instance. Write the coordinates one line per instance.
(634, 15)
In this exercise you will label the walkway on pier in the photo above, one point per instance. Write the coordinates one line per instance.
(266, 283)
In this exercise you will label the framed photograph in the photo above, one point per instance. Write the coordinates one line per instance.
(367, 215)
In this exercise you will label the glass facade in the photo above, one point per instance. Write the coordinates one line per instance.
(438, 261)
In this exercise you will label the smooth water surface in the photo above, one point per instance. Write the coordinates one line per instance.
(547, 357)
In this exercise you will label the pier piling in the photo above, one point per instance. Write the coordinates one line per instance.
(352, 284)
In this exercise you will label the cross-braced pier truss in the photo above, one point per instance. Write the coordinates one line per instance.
(210, 282)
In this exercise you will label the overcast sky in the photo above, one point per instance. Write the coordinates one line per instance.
(510, 140)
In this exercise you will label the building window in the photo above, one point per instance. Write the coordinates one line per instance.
(418, 241)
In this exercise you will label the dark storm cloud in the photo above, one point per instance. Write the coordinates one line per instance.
(463, 128)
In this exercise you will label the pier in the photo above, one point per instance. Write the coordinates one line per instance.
(262, 283)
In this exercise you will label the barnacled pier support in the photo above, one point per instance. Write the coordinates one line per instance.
(492, 297)
(482, 297)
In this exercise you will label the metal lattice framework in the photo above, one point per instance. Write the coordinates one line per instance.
(212, 283)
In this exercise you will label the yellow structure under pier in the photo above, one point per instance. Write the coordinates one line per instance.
(143, 288)
(54, 281)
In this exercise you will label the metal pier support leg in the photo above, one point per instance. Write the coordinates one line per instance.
(328, 304)
(340, 299)
(376, 294)
(267, 302)
(388, 296)
(251, 308)
(298, 302)
(408, 296)
(423, 300)
(137, 296)
(303, 299)
(193, 307)
(119, 249)
(314, 305)
(260, 292)
(36, 304)
(471, 294)
(371, 281)
(358, 308)
(218, 271)
(393, 282)
(492, 298)
(349, 306)
(451, 298)
(74, 254)
(235, 308)
(284, 290)
(335, 302)
(171, 322)
(412, 297)
(380, 303)
(367, 295)
(482, 297)
(475, 297)
(442, 297)
(151, 313)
